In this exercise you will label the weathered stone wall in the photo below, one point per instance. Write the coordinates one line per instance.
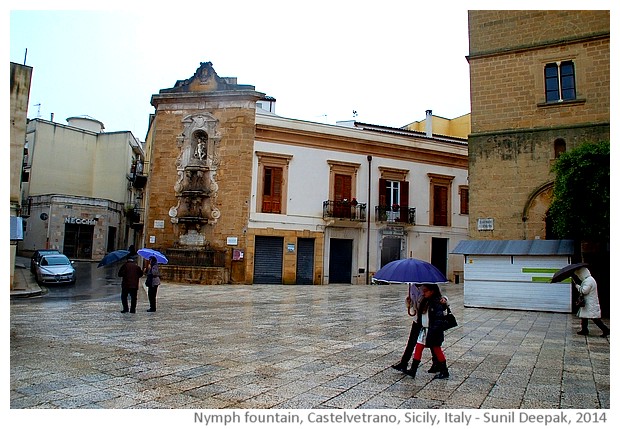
(508, 87)
(508, 170)
(497, 30)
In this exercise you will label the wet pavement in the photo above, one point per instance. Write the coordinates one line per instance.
(291, 347)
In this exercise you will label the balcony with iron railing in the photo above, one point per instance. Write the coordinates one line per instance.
(135, 217)
(137, 175)
(395, 214)
(349, 210)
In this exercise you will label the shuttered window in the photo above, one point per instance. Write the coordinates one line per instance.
(272, 190)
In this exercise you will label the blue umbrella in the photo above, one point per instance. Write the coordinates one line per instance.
(410, 271)
(113, 257)
(147, 253)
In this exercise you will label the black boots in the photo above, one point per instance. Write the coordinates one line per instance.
(400, 366)
(441, 368)
(443, 371)
(414, 368)
(434, 367)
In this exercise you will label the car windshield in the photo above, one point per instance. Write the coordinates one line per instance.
(55, 260)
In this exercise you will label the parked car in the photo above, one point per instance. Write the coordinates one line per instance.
(36, 257)
(55, 268)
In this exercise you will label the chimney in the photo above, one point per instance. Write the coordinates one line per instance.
(429, 123)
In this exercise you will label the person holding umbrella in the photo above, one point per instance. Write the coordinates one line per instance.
(131, 273)
(586, 285)
(152, 282)
(431, 321)
(412, 302)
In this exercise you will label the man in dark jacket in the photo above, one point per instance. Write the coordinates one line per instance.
(131, 273)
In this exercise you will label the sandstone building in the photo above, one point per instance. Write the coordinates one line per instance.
(539, 87)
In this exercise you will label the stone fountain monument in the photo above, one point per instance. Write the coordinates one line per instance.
(202, 146)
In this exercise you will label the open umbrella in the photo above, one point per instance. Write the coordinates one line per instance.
(566, 272)
(113, 257)
(410, 270)
(147, 253)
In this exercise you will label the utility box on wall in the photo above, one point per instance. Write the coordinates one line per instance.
(516, 274)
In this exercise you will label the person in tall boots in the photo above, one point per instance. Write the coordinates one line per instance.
(412, 303)
(431, 321)
(586, 285)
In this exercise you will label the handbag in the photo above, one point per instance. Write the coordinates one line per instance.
(581, 300)
(450, 321)
(149, 280)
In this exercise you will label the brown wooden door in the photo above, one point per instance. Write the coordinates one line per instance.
(342, 192)
(440, 205)
(272, 190)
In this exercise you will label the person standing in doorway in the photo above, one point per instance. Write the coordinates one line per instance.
(586, 285)
(152, 282)
(131, 273)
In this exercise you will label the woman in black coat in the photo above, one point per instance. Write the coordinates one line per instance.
(432, 324)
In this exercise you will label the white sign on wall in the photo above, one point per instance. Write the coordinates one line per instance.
(158, 224)
(485, 224)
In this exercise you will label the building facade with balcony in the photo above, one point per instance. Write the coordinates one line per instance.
(81, 188)
(334, 203)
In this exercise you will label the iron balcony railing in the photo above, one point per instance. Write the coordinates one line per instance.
(395, 214)
(344, 210)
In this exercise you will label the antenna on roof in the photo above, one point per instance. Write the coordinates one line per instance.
(38, 106)
(25, 55)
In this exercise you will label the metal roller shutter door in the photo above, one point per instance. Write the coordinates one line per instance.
(305, 261)
(268, 260)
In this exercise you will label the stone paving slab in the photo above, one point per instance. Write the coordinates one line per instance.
(278, 346)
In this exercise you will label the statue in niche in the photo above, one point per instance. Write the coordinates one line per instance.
(201, 148)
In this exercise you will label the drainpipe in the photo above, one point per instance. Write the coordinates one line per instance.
(368, 222)
(429, 123)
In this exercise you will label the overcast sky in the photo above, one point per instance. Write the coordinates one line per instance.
(320, 61)
(390, 61)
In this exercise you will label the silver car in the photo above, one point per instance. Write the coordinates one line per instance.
(55, 269)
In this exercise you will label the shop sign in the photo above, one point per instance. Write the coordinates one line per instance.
(80, 221)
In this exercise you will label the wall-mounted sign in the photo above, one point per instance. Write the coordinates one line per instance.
(152, 239)
(43, 216)
(290, 247)
(80, 221)
(158, 224)
(237, 255)
(485, 224)
(231, 241)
